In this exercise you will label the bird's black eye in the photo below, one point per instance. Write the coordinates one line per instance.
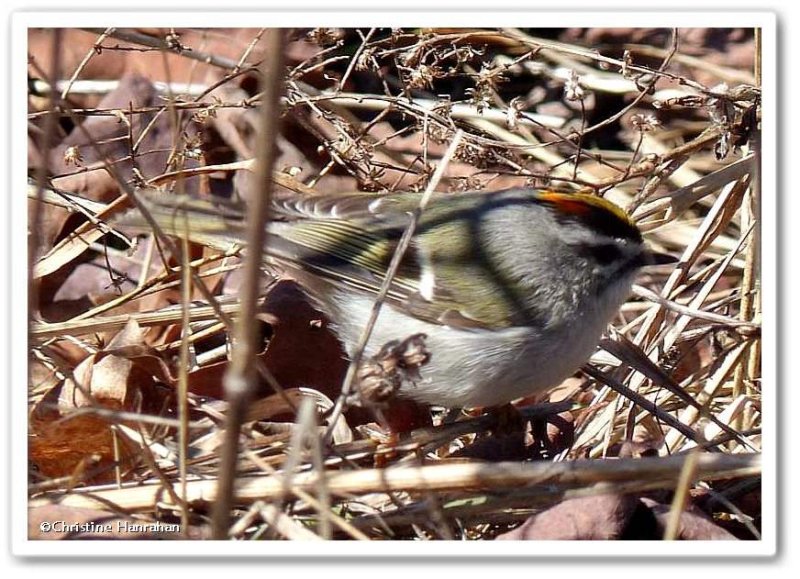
(605, 253)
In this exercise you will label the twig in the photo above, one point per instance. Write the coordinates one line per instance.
(159, 43)
(248, 50)
(355, 57)
(92, 52)
(240, 379)
(183, 377)
(637, 398)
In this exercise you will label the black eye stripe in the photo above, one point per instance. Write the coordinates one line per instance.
(603, 253)
(607, 253)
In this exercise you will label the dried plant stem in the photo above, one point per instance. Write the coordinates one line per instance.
(528, 41)
(41, 331)
(751, 294)
(240, 380)
(355, 57)
(183, 378)
(134, 37)
(92, 52)
(662, 472)
(681, 497)
(637, 398)
(309, 499)
(246, 54)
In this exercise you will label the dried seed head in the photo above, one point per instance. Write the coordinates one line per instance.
(324, 36)
(173, 41)
(573, 91)
(366, 60)
(72, 156)
(422, 76)
(381, 376)
(513, 112)
(625, 69)
(644, 123)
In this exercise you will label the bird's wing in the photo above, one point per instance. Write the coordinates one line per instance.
(347, 239)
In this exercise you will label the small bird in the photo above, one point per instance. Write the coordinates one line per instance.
(512, 289)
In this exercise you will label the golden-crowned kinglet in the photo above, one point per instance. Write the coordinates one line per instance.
(512, 289)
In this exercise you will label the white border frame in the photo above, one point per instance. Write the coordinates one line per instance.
(20, 23)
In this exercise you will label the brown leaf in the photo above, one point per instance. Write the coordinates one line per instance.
(81, 448)
(72, 246)
(598, 517)
(99, 378)
(105, 377)
(693, 525)
(302, 351)
(67, 438)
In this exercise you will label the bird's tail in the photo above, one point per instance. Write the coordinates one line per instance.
(217, 224)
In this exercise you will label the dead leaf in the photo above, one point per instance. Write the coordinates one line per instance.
(693, 526)
(598, 517)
